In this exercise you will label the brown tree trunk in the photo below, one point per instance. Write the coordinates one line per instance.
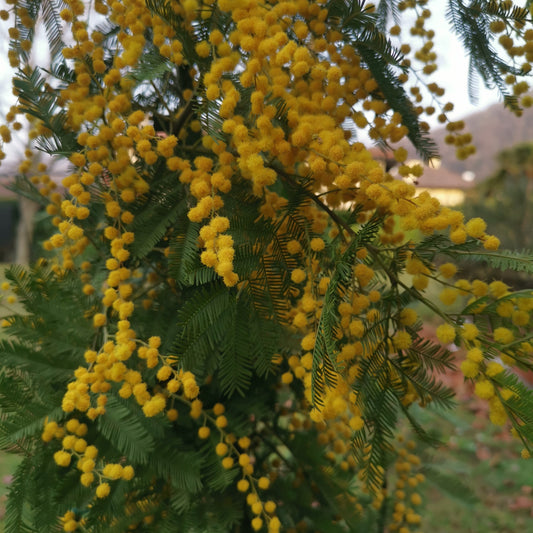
(24, 231)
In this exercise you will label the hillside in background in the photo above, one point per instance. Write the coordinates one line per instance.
(493, 129)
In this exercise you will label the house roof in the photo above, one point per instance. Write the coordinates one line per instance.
(443, 178)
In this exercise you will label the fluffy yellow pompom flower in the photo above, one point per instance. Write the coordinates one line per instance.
(154, 406)
(308, 342)
(62, 458)
(72, 425)
(270, 507)
(221, 421)
(244, 442)
(491, 243)
(402, 340)
(221, 449)
(503, 335)
(70, 525)
(257, 523)
(244, 459)
(356, 423)
(448, 296)
(243, 485)
(263, 483)
(128, 472)
(448, 270)
(294, 247)
(363, 273)
(408, 316)
(68, 442)
(204, 432)
(257, 507)
(86, 478)
(484, 389)
(172, 415)
(103, 490)
(219, 224)
(190, 388)
(203, 49)
(99, 320)
(112, 471)
(317, 244)
(298, 275)
(475, 355)
(494, 368)
(498, 288)
(446, 333)
(164, 373)
(469, 332)
(227, 463)
(476, 227)
(196, 409)
(218, 409)
(57, 240)
(458, 236)
(274, 525)
(469, 368)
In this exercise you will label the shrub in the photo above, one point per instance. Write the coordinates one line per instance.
(219, 336)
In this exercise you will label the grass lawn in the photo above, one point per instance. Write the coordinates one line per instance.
(486, 486)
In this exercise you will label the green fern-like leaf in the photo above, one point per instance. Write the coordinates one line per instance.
(236, 363)
(157, 213)
(184, 259)
(472, 26)
(502, 260)
(121, 426)
(17, 505)
(325, 351)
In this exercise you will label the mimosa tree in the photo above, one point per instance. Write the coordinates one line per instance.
(222, 334)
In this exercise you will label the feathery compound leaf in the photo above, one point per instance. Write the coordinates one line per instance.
(325, 350)
(157, 213)
(17, 503)
(25, 188)
(236, 350)
(493, 7)
(203, 320)
(121, 426)
(420, 432)
(502, 260)
(152, 66)
(180, 465)
(472, 25)
(184, 259)
(36, 100)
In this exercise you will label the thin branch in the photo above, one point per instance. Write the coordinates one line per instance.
(342, 225)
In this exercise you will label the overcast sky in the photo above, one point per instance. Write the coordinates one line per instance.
(452, 73)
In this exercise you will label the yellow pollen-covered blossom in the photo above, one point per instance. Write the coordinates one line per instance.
(476, 227)
(446, 333)
(402, 340)
(484, 389)
(103, 490)
(503, 335)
